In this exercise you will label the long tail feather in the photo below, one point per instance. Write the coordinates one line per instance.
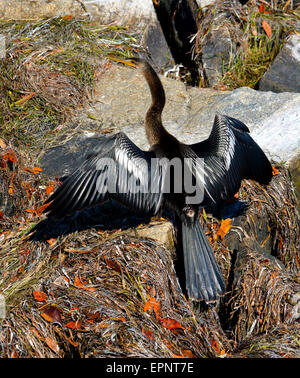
(204, 279)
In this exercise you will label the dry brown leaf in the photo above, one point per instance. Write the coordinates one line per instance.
(267, 28)
(128, 63)
(51, 314)
(24, 99)
(52, 344)
(2, 143)
(36, 333)
(148, 333)
(171, 323)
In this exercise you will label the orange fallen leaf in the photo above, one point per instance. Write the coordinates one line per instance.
(261, 8)
(121, 319)
(9, 156)
(224, 228)
(128, 63)
(74, 308)
(40, 296)
(177, 356)
(148, 333)
(216, 347)
(41, 209)
(67, 17)
(32, 211)
(36, 333)
(274, 171)
(51, 241)
(14, 354)
(35, 170)
(112, 264)
(20, 270)
(220, 87)
(52, 344)
(77, 282)
(50, 187)
(10, 189)
(267, 28)
(152, 305)
(187, 353)
(93, 316)
(73, 325)
(1, 214)
(171, 323)
(103, 324)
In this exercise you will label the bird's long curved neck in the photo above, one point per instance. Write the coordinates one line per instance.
(154, 128)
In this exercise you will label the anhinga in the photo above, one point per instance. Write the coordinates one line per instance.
(118, 167)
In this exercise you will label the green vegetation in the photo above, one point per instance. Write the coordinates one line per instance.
(257, 32)
(50, 70)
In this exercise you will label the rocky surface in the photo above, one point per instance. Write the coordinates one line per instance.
(284, 73)
(217, 54)
(28, 9)
(123, 12)
(155, 44)
(189, 113)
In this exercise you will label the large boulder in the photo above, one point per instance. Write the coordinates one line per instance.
(123, 12)
(273, 118)
(284, 73)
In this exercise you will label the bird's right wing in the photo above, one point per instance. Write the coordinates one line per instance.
(230, 155)
(118, 170)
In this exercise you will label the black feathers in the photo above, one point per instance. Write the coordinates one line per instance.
(203, 276)
(119, 170)
(231, 155)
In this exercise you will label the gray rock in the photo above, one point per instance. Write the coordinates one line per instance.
(122, 98)
(284, 73)
(217, 53)
(61, 160)
(155, 44)
(273, 118)
(29, 9)
(204, 3)
(123, 12)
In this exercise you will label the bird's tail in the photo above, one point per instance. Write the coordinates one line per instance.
(204, 279)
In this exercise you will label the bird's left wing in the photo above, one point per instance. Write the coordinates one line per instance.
(118, 170)
(229, 155)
